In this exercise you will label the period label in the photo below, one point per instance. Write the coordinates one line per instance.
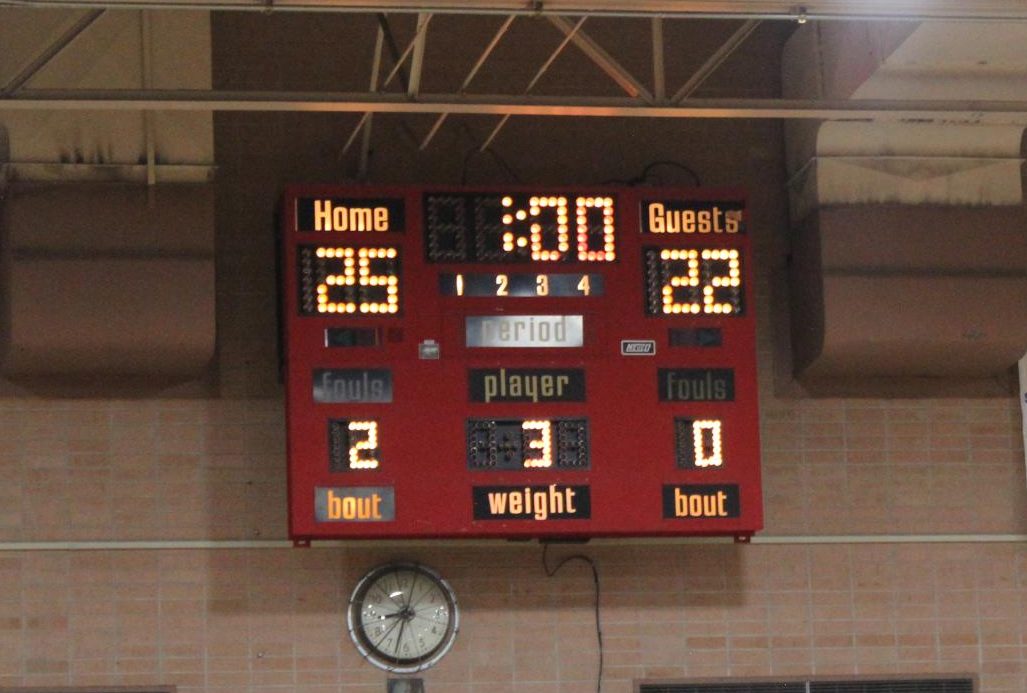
(696, 384)
(526, 385)
(354, 504)
(701, 502)
(340, 385)
(525, 331)
(538, 503)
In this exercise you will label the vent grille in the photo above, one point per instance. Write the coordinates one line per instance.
(960, 685)
(900, 686)
(755, 687)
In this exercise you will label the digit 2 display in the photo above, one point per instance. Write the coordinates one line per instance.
(522, 362)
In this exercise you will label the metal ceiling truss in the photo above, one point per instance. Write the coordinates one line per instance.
(638, 100)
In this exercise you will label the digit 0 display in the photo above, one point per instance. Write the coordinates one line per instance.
(523, 362)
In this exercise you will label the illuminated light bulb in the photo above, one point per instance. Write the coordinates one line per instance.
(601, 256)
(708, 290)
(392, 290)
(665, 254)
(552, 201)
(736, 282)
(564, 247)
(728, 308)
(363, 307)
(715, 281)
(320, 252)
(507, 201)
(392, 253)
(667, 291)
(610, 256)
(582, 247)
(322, 309)
(561, 218)
(562, 229)
(507, 219)
(330, 280)
(705, 255)
(322, 289)
(536, 228)
(393, 309)
(521, 215)
(332, 308)
(522, 242)
(582, 220)
(393, 280)
(533, 201)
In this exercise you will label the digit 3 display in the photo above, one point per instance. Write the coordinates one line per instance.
(526, 362)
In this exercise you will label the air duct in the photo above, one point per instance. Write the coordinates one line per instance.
(909, 247)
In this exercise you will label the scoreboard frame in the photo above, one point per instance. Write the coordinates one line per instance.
(431, 394)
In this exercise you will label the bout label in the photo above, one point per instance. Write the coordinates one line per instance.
(700, 501)
(354, 504)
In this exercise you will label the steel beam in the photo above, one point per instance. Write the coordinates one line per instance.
(417, 61)
(659, 74)
(1004, 10)
(1014, 112)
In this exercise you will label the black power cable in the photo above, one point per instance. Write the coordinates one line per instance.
(647, 172)
(550, 572)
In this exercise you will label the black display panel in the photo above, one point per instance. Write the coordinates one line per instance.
(522, 444)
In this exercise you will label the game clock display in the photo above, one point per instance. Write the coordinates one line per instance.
(525, 362)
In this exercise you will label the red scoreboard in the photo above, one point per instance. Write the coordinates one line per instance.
(519, 362)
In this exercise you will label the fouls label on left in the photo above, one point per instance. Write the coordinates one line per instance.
(341, 385)
(354, 504)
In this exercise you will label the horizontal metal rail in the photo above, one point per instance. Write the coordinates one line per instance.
(979, 10)
(781, 540)
(968, 111)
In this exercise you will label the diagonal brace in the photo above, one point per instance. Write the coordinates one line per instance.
(714, 61)
(51, 52)
(604, 60)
